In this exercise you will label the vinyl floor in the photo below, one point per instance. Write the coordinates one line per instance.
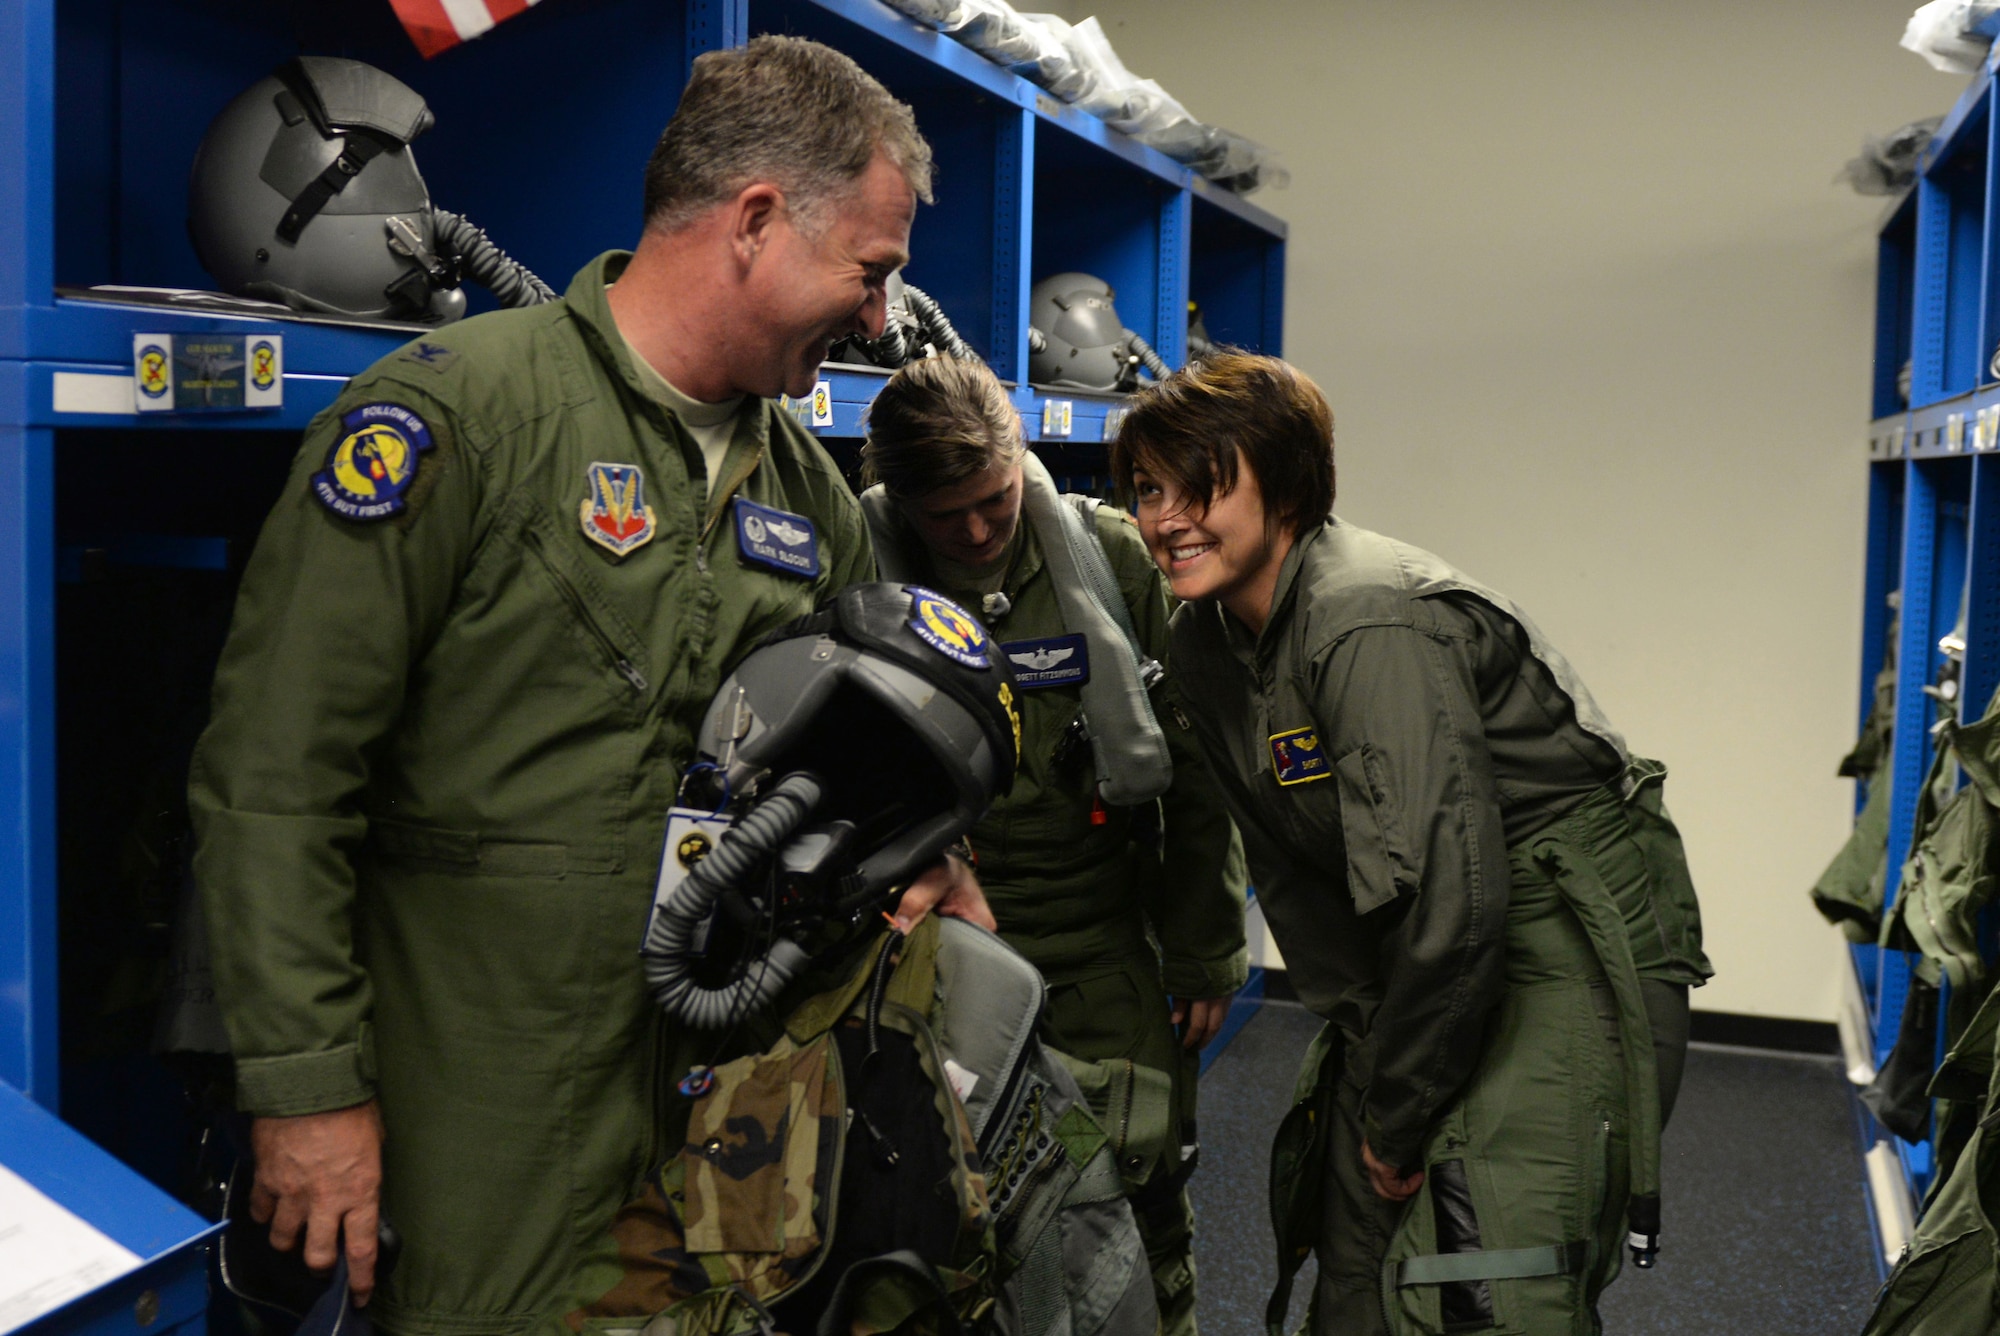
(1766, 1210)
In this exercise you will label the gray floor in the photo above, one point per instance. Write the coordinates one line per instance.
(1767, 1228)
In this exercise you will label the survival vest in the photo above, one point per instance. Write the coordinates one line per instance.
(906, 1157)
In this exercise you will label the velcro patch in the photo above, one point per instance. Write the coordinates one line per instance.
(370, 468)
(1052, 661)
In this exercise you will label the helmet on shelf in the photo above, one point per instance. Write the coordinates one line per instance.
(304, 191)
(1077, 341)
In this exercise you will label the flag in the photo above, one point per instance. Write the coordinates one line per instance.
(439, 25)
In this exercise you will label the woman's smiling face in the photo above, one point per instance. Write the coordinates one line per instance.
(1227, 550)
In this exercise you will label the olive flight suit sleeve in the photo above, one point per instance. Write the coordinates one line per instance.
(332, 615)
(1195, 900)
(1426, 861)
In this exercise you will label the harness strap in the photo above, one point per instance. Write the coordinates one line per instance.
(1555, 1259)
(1576, 876)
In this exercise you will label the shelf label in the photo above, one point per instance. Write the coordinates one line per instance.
(1954, 433)
(1896, 442)
(822, 404)
(208, 373)
(1057, 418)
(1986, 428)
(1114, 418)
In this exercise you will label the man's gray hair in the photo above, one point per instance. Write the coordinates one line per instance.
(797, 114)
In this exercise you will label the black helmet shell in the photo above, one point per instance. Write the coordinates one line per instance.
(898, 700)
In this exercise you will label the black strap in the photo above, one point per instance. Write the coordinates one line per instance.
(359, 148)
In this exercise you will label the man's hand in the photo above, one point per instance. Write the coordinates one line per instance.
(1203, 1017)
(1388, 1186)
(322, 1172)
(949, 886)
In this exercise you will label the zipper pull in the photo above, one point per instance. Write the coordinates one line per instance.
(632, 675)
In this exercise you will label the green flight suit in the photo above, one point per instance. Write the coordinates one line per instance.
(431, 799)
(1482, 893)
(1080, 894)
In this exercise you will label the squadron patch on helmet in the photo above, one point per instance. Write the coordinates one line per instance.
(369, 470)
(1297, 756)
(615, 515)
(948, 628)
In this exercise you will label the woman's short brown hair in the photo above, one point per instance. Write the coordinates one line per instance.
(935, 424)
(1188, 429)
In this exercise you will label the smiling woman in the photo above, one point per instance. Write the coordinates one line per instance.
(1471, 879)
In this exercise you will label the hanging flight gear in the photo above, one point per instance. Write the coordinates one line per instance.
(305, 191)
(916, 327)
(1076, 340)
(1945, 1281)
(1851, 890)
(841, 756)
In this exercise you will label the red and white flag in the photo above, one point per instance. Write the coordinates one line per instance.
(439, 25)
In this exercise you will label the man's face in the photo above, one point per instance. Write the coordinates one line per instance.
(809, 290)
(970, 522)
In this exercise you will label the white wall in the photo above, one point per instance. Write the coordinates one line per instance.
(1596, 328)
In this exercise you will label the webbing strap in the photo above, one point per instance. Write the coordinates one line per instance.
(1576, 876)
(1556, 1259)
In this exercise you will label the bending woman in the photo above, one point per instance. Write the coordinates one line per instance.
(1472, 880)
(1112, 866)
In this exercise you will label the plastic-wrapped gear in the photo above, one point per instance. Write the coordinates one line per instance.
(1888, 163)
(1946, 33)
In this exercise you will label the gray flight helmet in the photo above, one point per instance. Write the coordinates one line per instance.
(304, 191)
(1083, 342)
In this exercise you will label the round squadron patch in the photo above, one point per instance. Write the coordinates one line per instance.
(369, 470)
(948, 628)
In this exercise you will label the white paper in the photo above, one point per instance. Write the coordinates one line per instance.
(47, 1255)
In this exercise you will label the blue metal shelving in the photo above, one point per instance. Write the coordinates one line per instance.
(104, 103)
(1934, 485)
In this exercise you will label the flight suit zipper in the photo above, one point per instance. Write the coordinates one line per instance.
(620, 664)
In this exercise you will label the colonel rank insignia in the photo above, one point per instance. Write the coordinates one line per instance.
(948, 628)
(370, 468)
(1298, 757)
(616, 516)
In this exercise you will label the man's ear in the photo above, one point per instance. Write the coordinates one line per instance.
(757, 211)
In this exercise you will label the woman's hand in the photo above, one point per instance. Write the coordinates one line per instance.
(1389, 1185)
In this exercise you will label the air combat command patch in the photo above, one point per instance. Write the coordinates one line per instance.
(1298, 757)
(948, 628)
(615, 515)
(369, 470)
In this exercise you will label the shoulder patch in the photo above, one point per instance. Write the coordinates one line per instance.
(430, 356)
(370, 468)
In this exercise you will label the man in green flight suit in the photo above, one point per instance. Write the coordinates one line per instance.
(1121, 904)
(513, 563)
(1470, 877)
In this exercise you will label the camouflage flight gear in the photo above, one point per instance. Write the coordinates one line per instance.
(838, 1182)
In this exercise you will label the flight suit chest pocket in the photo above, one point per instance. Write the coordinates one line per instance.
(605, 636)
(1379, 863)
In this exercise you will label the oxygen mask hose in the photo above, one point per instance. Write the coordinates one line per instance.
(743, 850)
(935, 326)
(486, 264)
(1156, 366)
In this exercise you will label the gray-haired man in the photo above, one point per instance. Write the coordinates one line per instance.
(467, 664)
